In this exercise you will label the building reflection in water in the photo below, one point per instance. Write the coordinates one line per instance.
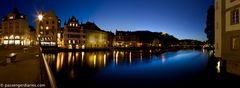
(79, 67)
(98, 59)
(163, 58)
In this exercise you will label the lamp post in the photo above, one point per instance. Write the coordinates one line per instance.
(40, 18)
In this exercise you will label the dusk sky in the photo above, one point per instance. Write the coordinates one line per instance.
(184, 19)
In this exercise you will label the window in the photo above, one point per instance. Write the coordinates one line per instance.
(11, 17)
(235, 17)
(52, 22)
(47, 28)
(235, 43)
(46, 22)
(52, 27)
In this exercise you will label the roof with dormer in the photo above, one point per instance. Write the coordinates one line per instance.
(16, 15)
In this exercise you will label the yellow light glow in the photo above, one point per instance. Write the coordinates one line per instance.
(69, 57)
(5, 37)
(59, 35)
(17, 42)
(47, 28)
(40, 17)
(104, 60)
(11, 17)
(83, 46)
(218, 66)
(117, 57)
(58, 62)
(5, 42)
(17, 37)
(82, 56)
(130, 57)
(62, 58)
(11, 37)
(94, 60)
(164, 33)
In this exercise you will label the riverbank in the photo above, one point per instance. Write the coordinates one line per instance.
(26, 68)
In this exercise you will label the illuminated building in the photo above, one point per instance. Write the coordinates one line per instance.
(126, 39)
(74, 36)
(15, 29)
(227, 33)
(47, 27)
(95, 37)
(0, 34)
(139, 39)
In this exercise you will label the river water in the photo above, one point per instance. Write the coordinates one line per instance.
(133, 68)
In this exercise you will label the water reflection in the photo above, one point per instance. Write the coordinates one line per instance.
(128, 64)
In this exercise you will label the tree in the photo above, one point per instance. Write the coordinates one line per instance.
(209, 30)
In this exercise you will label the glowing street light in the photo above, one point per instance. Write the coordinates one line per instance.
(40, 17)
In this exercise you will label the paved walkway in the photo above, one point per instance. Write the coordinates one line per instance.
(26, 69)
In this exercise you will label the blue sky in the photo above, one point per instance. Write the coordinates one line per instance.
(184, 19)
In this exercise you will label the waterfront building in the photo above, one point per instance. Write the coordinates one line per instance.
(47, 27)
(74, 35)
(140, 39)
(126, 39)
(95, 37)
(227, 33)
(15, 29)
(0, 33)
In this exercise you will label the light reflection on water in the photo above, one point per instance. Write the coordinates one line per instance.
(79, 66)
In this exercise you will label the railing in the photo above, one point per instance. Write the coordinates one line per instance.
(46, 74)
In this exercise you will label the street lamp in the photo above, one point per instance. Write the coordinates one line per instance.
(40, 18)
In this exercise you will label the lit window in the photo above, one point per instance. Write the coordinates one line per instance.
(59, 35)
(234, 17)
(76, 24)
(11, 41)
(69, 41)
(73, 41)
(73, 25)
(11, 17)
(21, 16)
(6, 37)
(41, 27)
(11, 37)
(83, 46)
(70, 24)
(17, 37)
(47, 28)
(17, 42)
(5, 42)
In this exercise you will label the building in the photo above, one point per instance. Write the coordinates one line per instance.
(47, 28)
(15, 29)
(74, 35)
(95, 37)
(227, 33)
(0, 33)
(126, 39)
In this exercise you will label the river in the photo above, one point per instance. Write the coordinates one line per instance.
(127, 68)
